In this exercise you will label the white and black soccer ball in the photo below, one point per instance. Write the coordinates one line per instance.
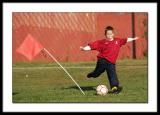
(102, 90)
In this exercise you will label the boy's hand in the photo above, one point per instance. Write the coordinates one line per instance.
(136, 38)
(81, 48)
(86, 48)
(132, 39)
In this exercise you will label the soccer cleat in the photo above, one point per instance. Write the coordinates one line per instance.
(90, 76)
(115, 90)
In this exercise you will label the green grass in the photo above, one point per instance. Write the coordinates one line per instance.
(82, 64)
(53, 85)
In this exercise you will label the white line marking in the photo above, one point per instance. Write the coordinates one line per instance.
(48, 67)
(77, 67)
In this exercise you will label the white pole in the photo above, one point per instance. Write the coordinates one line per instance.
(63, 69)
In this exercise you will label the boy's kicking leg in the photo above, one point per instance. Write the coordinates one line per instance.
(100, 68)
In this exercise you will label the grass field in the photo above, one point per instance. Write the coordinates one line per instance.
(48, 83)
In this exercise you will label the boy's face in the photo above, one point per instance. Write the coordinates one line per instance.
(109, 34)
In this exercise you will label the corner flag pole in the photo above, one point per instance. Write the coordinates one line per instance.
(64, 69)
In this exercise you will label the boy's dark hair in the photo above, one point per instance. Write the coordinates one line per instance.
(108, 28)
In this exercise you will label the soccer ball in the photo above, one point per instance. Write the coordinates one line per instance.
(101, 90)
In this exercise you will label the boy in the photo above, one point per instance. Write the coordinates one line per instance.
(108, 52)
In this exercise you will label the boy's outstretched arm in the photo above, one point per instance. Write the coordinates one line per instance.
(85, 48)
(131, 39)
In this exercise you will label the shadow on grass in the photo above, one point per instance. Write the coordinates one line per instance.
(15, 93)
(85, 88)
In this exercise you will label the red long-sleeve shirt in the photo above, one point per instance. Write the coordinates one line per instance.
(108, 49)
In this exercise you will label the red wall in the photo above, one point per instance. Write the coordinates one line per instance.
(63, 33)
